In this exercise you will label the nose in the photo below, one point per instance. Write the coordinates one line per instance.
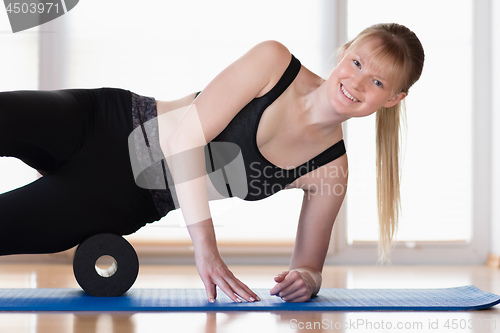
(357, 83)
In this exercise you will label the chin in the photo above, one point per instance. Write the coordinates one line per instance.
(341, 109)
(344, 114)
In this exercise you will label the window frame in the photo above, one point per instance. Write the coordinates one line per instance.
(340, 251)
(445, 252)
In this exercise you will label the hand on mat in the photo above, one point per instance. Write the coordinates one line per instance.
(214, 272)
(293, 286)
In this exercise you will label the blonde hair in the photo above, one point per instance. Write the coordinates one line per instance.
(398, 52)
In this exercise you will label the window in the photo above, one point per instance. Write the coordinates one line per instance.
(19, 57)
(176, 49)
(436, 185)
(168, 49)
(19, 68)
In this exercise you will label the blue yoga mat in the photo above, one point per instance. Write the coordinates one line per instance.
(450, 299)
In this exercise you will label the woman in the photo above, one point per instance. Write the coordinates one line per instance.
(284, 120)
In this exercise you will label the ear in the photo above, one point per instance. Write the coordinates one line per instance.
(395, 99)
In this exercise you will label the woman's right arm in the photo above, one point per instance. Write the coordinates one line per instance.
(246, 78)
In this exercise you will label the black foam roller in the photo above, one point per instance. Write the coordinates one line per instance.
(84, 265)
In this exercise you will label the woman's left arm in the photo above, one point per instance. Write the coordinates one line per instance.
(324, 191)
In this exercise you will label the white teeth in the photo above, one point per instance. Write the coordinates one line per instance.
(346, 93)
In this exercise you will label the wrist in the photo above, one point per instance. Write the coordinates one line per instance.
(203, 235)
(205, 248)
(312, 278)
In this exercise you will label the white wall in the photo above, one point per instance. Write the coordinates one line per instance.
(495, 216)
(51, 78)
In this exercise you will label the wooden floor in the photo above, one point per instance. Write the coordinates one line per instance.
(61, 276)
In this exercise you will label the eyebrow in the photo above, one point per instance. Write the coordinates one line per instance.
(363, 62)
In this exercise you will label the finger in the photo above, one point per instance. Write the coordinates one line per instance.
(211, 290)
(300, 295)
(275, 290)
(242, 290)
(237, 287)
(278, 288)
(293, 282)
(280, 277)
(228, 290)
(297, 291)
(291, 288)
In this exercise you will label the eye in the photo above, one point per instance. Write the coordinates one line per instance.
(357, 63)
(378, 83)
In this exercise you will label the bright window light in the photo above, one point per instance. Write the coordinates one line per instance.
(436, 187)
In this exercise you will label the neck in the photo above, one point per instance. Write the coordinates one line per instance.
(318, 114)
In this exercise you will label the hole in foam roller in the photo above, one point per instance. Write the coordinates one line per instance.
(106, 266)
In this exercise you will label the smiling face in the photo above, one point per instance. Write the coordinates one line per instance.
(363, 82)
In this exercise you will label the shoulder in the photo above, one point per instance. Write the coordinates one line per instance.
(238, 84)
(265, 56)
(271, 52)
(270, 59)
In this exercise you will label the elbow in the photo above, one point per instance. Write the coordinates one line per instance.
(177, 144)
(171, 145)
(185, 158)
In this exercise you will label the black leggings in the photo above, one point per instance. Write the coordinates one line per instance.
(78, 140)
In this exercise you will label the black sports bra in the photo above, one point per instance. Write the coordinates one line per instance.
(235, 164)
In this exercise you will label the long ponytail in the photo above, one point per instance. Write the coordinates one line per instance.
(401, 55)
(388, 124)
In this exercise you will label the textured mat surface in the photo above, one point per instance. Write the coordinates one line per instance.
(450, 299)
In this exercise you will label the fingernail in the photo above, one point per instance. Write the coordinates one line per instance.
(252, 299)
(238, 300)
(257, 298)
(211, 300)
